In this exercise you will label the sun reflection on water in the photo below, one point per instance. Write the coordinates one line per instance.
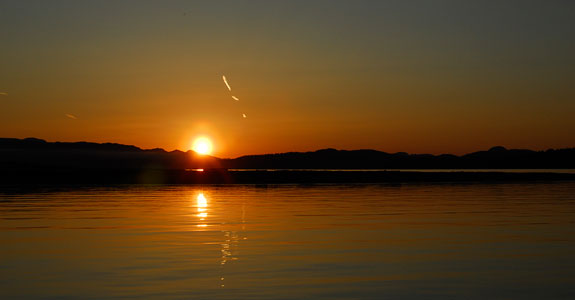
(202, 206)
(231, 238)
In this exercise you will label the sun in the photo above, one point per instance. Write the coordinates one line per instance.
(202, 145)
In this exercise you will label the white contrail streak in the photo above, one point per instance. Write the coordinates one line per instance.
(226, 82)
(71, 116)
(230, 89)
(3, 94)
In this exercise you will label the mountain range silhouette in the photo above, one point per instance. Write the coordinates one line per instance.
(33, 159)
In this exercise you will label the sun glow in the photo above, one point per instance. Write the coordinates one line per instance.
(202, 145)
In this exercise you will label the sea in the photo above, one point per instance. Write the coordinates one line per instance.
(356, 241)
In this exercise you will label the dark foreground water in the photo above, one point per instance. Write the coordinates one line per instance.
(474, 241)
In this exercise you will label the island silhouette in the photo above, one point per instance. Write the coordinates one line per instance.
(33, 161)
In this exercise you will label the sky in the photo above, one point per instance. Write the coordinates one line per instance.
(414, 76)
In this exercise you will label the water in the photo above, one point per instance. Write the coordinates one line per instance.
(562, 171)
(467, 241)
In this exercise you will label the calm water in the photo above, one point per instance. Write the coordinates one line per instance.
(564, 171)
(477, 241)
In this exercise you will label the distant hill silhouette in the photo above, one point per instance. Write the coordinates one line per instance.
(494, 158)
(37, 153)
(32, 161)
(32, 152)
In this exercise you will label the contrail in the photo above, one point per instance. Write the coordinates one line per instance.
(3, 94)
(230, 89)
(71, 116)
(226, 82)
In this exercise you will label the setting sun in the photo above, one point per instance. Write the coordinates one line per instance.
(202, 145)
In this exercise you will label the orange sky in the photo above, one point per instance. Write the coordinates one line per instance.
(444, 78)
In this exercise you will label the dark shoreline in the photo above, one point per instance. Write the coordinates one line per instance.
(222, 176)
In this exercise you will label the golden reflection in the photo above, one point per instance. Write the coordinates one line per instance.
(229, 246)
(202, 206)
(202, 201)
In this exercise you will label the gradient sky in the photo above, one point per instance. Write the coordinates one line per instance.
(415, 76)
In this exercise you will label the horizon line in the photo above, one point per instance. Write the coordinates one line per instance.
(497, 147)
